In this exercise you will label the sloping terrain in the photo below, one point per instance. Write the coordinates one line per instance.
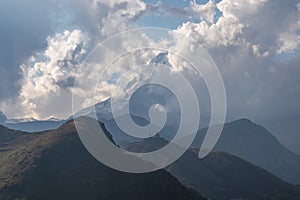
(222, 176)
(55, 165)
(255, 144)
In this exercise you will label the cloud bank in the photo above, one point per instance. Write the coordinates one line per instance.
(255, 44)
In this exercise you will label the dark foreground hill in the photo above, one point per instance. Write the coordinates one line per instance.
(221, 176)
(55, 165)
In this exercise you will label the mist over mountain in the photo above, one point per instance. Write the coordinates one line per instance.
(30, 124)
(139, 104)
(144, 97)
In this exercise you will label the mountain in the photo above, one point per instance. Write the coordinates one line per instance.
(221, 175)
(55, 165)
(161, 58)
(286, 129)
(6, 135)
(104, 114)
(33, 125)
(242, 138)
(255, 144)
(30, 124)
(139, 105)
(102, 110)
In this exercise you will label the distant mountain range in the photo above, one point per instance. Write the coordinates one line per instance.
(242, 138)
(30, 124)
(55, 165)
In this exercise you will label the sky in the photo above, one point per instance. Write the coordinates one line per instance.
(254, 43)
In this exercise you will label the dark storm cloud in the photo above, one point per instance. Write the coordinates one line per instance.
(25, 26)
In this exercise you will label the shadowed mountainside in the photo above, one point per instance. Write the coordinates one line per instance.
(55, 165)
(221, 176)
(255, 144)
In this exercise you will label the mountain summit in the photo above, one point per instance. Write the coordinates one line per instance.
(30, 124)
(55, 165)
(254, 143)
(161, 58)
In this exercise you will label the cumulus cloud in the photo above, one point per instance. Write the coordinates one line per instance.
(50, 40)
(48, 74)
(245, 42)
(120, 13)
(245, 23)
(118, 57)
(245, 38)
(206, 11)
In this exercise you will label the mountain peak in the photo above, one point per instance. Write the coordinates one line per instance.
(161, 58)
(20, 120)
(243, 121)
(254, 143)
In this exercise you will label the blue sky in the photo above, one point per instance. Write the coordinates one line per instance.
(170, 19)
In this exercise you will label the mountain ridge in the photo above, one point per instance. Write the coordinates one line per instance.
(254, 143)
(55, 165)
(221, 175)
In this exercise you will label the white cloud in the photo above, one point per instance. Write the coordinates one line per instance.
(121, 12)
(256, 23)
(248, 41)
(50, 73)
(206, 11)
(46, 77)
(290, 40)
(244, 41)
(257, 51)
